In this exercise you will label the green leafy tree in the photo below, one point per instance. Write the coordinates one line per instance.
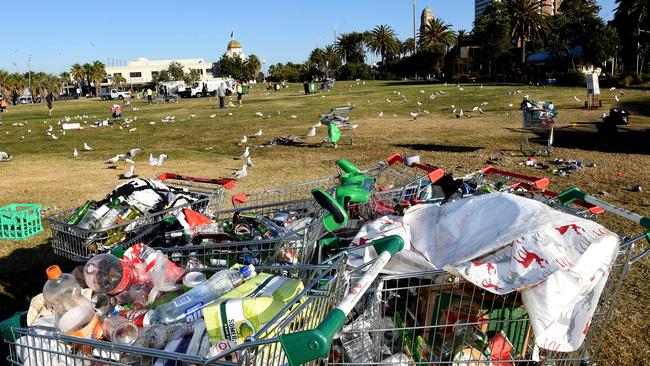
(162, 76)
(493, 29)
(632, 21)
(350, 47)
(253, 66)
(528, 22)
(176, 71)
(118, 81)
(191, 77)
(383, 41)
(234, 67)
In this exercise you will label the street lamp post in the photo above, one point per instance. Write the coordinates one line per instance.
(29, 75)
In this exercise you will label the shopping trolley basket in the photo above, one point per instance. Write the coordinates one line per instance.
(324, 285)
(73, 242)
(538, 119)
(434, 317)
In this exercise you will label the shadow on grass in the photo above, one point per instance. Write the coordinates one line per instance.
(441, 148)
(639, 108)
(592, 136)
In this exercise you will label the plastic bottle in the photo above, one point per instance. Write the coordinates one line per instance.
(187, 307)
(106, 274)
(62, 291)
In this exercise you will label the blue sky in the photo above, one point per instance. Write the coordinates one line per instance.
(59, 33)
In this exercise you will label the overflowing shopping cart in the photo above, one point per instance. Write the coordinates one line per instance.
(79, 244)
(538, 124)
(338, 125)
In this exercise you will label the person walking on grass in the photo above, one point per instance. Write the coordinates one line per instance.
(149, 96)
(240, 92)
(221, 93)
(3, 104)
(49, 99)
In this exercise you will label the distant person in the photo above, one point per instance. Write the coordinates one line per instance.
(3, 104)
(221, 93)
(149, 96)
(240, 93)
(49, 99)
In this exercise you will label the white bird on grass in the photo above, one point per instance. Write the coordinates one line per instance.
(246, 153)
(157, 161)
(54, 137)
(510, 105)
(311, 132)
(481, 111)
(249, 162)
(576, 99)
(130, 173)
(75, 153)
(259, 114)
(460, 114)
(414, 115)
(381, 114)
(244, 140)
(213, 115)
(5, 157)
(258, 133)
(426, 112)
(87, 147)
(294, 116)
(133, 129)
(387, 100)
(419, 103)
(475, 109)
(241, 173)
(612, 88)
(617, 98)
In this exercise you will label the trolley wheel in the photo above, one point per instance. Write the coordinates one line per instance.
(199, 95)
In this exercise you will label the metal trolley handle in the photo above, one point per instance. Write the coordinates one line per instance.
(302, 347)
(574, 193)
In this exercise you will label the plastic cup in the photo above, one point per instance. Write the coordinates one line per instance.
(120, 330)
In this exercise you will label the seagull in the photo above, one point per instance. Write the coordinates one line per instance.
(484, 103)
(5, 157)
(510, 105)
(130, 173)
(414, 115)
(603, 116)
(75, 153)
(49, 129)
(419, 103)
(617, 98)
(128, 157)
(319, 124)
(259, 114)
(387, 100)
(54, 137)
(453, 106)
(244, 140)
(461, 89)
(612, 88)
(481, 111)
(157, 161)
(258, 133)
(87, 148)
(454, 110)
(475, 109)
(293, 116)
(241, 173)
(381, 114)
(133, 129)
(311, 132)
(426, 112)
(246, 153)
(213, 115)
(114, 159)
(620, 92)
(249, 162)
(576, 98)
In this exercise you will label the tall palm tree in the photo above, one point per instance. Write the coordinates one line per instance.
(461, 37)
(78, 72)
(118, 80)
(641, 8)
(349, 47)
(437, 32)
(4, 78)
(382, 41)
(528, 22)
(408, 46)
(98, 74)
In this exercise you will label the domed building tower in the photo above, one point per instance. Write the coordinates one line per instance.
(234, 49)
(427, 15)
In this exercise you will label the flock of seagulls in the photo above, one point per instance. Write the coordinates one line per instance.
(246, 155)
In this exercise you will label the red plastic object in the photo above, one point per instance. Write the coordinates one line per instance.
(226, 183)
(239, 198)
(194, 218)
(500, 347)
(434, 173)
(536, 183)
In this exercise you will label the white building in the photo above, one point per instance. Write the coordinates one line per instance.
(141, 71)
(235, 50)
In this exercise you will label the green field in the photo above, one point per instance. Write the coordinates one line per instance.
(44, 171)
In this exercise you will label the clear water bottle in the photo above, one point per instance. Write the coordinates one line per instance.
(187, 307)
(61, 291)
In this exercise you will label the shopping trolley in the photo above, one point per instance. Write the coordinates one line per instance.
(338, 123)
(324, 285)
(388, 174)
(538, 119)
(434, 317)
(79, 244)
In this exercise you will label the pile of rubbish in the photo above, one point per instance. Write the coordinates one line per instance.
(370, 269)
(144, 299)
(282, 140)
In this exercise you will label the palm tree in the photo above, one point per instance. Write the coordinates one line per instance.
(437, 32)
(528, 22)
(254, 65)
(4, 78)
(461, 37)
(349, 47)
(381, 41)
(118, 80)
(408, 46)
(78, 72)
(634, 7)
(98, 74)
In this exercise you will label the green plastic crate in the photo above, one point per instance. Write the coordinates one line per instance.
(20, 221)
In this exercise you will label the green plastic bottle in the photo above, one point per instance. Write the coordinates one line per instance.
(80, 213)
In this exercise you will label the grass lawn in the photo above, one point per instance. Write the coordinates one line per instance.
(44, 171)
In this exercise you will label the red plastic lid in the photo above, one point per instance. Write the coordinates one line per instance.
(53, 272)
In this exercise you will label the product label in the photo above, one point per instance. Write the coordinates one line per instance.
(136, 316)
(194, 313)
(182, 301)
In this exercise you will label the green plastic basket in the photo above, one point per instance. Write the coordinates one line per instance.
(20, 221)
